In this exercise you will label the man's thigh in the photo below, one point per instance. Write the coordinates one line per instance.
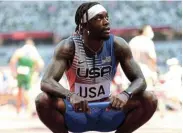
(97, 120)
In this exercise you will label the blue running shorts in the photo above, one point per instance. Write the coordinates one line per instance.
(98, 120)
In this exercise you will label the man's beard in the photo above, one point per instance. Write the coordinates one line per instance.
(99, 36)
(106, 37)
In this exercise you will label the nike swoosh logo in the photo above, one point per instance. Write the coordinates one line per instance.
(80, 62)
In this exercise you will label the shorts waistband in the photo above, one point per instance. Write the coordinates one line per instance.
(100, 100)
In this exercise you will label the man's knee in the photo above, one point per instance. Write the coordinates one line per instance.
(149, 98)
(42, 100)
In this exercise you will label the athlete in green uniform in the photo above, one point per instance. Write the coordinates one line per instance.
(24, 63)
(24, 78)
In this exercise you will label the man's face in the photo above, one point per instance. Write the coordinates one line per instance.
(99, 26)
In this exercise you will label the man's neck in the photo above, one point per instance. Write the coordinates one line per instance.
(93, 44)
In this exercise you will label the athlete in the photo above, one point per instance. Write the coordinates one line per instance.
(24, 63)
(89, 58)
(144, 53)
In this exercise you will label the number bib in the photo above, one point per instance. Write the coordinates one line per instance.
(93, 92)
(23, 70)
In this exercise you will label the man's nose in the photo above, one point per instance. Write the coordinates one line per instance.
(106, 21)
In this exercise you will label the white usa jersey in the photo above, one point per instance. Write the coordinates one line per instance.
(90, 77)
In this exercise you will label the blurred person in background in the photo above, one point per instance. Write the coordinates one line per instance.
(120, 81)
(1, 82)
(169, 89)
(26, 64)
(90, 58)
(173, 84)
(144, 53)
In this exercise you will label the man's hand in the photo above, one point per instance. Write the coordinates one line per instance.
(79, 104)
(118, 101)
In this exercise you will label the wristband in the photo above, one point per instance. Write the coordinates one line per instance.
(69, 96)
(129, 94)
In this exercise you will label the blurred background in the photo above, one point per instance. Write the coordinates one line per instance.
(30, 30)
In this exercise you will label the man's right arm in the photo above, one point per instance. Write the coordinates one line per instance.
(63, 53)
(13, 62)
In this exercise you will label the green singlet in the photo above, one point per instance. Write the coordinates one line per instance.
(24, 72)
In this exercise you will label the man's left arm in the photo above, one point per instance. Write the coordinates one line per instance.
(130, 67)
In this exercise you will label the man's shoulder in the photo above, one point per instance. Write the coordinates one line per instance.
(120, 42)
(65, 47)
(140, 39)
(122, 48)
(66, 44)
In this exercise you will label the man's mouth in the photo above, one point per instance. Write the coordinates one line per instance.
(106, 30)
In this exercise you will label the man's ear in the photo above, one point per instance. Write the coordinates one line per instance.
(85, 26)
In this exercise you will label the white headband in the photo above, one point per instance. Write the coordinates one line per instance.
(93, 11)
